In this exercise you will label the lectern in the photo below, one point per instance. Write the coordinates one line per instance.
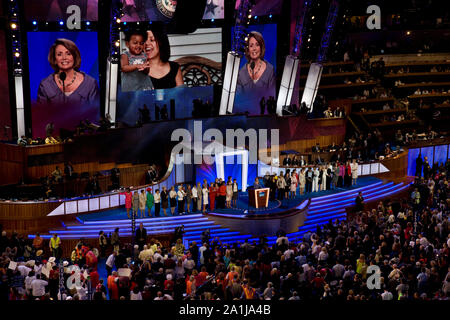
(258, 198)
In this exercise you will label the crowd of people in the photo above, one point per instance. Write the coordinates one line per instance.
(407, 239)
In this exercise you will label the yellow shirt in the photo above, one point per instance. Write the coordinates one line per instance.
(55, 243)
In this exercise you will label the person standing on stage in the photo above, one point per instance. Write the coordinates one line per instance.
(222, 194)
(194, 198)
(323, 186)
(354, 167)
(293, 186)
(157, 199)
(309, 179)
(212, 195)
(200, 196)
(281, 185)
(235, 193)
(315, 182)
(181, 194)
(205, 197)
(142, 203)
(165, 200)
(173, 200)
(188, 198)
(302, 181)
(128, 200)
(287, 188)
(135, 204)
(335, 180)
(150, 200)
(229, 194)
(341, 175)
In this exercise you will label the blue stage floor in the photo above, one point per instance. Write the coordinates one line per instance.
(242, 204)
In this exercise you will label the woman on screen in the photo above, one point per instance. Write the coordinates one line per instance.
(163, 73)
(67, 85)
(257, 76)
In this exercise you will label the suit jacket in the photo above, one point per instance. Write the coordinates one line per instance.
(141, 234)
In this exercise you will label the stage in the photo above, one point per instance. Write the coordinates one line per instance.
(242, 204)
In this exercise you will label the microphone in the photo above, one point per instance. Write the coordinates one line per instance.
(62, 77)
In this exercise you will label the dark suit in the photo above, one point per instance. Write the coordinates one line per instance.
(141, 237)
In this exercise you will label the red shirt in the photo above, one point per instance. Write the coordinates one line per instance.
(223, 190)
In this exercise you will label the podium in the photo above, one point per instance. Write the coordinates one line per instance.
(258, 198)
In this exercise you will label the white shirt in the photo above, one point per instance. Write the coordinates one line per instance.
(135, 296)
(157, 197)
(181, 195)
(172, 194)
(387, 295)
(110, 261)
(189, 264)
(28, 281)
(194, 192)
(24, 270)
(38, 287)
(202, 259)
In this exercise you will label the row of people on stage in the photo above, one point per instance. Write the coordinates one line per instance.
(183, 199)
(311, 179)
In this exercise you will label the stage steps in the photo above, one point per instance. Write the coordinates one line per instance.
(321, 210)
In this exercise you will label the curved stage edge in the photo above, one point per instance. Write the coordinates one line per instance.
(264, 224)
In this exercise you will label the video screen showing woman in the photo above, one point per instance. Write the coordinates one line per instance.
(65, 90)
(256, 78)
(145, 64)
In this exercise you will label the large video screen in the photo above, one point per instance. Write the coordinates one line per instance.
(57, 10)
(5, 108)
(157, 68)
(257, 71)
(64, 80)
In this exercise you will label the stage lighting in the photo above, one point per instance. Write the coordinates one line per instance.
(270, 16)
(13, 26)
(117, 43)
(34, 23)
(61, 23)
(88, 23)
(256, 17)
(212, 20)
(125, 23)
(118, 20)
(17, 54)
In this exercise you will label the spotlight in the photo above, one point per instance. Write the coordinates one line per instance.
(212, 20)
(256, 17)
(270, 16)
(408, 33)
(34, 23)
(17, 54)
(117, 43)
(125, 23)
(13, 26)
(249, 16)
(88, 23)
(118, 20)
(61, 23)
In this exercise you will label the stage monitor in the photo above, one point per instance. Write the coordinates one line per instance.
(49, 54)
(5, 108)
(60, 10)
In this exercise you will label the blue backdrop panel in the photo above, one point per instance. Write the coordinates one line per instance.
(205, 171)
(428, 152)
(412, 156)
(440, 154)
